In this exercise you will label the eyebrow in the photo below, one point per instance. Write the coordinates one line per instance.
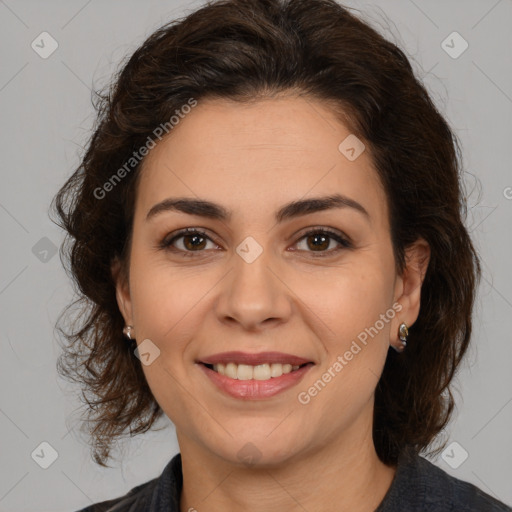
(210, 210)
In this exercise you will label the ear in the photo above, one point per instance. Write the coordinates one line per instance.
(408, 286)
(122, 291)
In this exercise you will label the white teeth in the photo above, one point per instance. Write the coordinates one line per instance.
(244, 372)
(258, 372)
(276, 370)
(261, 372)
(230, 371)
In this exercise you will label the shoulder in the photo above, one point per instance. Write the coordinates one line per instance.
(161, 493)
(136, 499)
(454, 494)
(419, 485)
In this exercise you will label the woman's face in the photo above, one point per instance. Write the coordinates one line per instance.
(256, 281)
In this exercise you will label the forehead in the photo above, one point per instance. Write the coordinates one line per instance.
(253, 156)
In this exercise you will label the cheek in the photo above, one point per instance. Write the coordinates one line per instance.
(348, 299)
(353, 317)
(170, 302)
(167, 308)
(164, 301)
(347, 316)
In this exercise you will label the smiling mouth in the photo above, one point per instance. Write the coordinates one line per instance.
(265, 371)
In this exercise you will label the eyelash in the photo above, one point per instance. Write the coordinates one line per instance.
(166, 243)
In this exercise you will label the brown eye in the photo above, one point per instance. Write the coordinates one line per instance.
(193, 242)
(319, 241)
(187, 241)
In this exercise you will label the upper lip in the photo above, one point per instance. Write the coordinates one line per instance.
(254, 359)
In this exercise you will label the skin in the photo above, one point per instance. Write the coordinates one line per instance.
(252, 159)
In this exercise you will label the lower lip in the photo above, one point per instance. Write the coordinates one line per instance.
(255, 389)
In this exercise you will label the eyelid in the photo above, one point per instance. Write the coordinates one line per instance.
(343, 240)
(167, 241)
(338, 236)
(321, 229)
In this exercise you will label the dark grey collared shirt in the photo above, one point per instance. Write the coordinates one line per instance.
(418, 486)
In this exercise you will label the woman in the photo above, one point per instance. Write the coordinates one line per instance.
(266, 227)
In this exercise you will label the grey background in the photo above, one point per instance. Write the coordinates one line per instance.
(46, 118)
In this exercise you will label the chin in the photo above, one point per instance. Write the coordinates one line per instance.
(259, 451)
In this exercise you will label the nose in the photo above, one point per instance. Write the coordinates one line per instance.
(253, 295)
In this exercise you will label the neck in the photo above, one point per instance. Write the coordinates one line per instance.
(336, 476)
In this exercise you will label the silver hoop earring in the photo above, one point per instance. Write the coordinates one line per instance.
(403, 332)
(127, 331)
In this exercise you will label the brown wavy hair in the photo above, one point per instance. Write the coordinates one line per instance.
(245, 50)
